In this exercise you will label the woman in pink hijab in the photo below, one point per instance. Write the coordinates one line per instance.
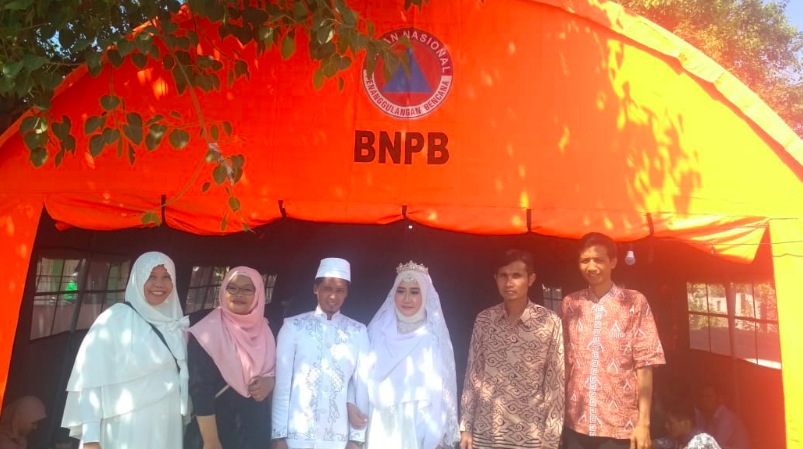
(232, 359)
(20, 419)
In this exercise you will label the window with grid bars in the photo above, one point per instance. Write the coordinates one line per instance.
(71, 292)
(747, 329)
(552, 297)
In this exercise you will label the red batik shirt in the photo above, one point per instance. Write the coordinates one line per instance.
(606, 341)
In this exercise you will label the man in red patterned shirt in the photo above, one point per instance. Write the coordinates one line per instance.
(611, 346)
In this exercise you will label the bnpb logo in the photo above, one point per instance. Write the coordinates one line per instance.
(422, 87)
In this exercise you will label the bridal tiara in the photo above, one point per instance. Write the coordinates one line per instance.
(412, 266)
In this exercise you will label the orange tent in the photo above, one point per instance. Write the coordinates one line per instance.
(554, 116)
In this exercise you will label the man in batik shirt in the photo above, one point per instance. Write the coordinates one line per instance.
(514, 389)
(611, 346)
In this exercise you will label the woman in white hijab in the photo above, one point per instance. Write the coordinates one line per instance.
(128, 387)
(412, 388)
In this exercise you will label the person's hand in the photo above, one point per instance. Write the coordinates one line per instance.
(354, 445)
(260, 387)
(466, 440)
(214, 444)
(281, 443)
(356, 418)
(91, 446)
(640, 438)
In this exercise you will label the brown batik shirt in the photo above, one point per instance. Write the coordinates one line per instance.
(607, 340)
(514, 388)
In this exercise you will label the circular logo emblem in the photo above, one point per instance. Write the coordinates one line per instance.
(418, 89)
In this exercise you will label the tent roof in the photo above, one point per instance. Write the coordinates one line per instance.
(560, 116)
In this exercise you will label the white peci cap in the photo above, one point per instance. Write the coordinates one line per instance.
(334, 267)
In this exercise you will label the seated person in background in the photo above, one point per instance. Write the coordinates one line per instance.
(680, 422)
(720, 421)
(19, 420)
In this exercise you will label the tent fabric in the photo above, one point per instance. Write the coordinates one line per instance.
(554, 117)
(19, 220)
(787, 254)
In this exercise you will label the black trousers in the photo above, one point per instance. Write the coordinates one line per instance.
(574, 440)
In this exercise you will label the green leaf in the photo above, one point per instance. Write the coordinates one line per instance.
(139, 60)
(219, 174)
(125, 47)
(325, 34)
(168, 62)
(192, 36)
(11, 69)
(264, 33)
(62, 129)
(179, 138)
(38, 156)
(110, 135)
(28, 124)
(318, 78)
(59, 157)
(41, 101)
(168, 26)
(33, 140)
(94, 62)
(109, 102)
(230, 77)
(69, 144)
(238, 161)
(175, 114)
(115, 58)
(227, 128)
(340, 84)
(241, 69)
(133, 132)
(343, 62)
(234, 203)
(223, 221)
(349, 17)
(33, 62)
(215, 132)
(132, 154)
(288, 45)
(120, 148)
(300, 10)
(18, 5)
(156, 133)
(96, 145)
(153, 52)
(93, 123)
(370, 28)
(206, 186)
(150, 218)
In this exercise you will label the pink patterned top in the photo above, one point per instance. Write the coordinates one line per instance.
(606, 341)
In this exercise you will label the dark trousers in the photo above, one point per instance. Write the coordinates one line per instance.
(574, 440)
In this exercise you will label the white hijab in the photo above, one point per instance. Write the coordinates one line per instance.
(416, 366)
(123, 360)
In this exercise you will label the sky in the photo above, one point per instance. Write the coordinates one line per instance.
(794, 10)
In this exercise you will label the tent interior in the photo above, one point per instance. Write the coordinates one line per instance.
(75, 273)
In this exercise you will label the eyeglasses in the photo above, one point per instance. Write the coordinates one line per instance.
(234, 291)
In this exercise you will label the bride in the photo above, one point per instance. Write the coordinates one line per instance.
(411, 375)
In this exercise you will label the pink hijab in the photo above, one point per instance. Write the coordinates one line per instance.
(254, 351)
(21, 413)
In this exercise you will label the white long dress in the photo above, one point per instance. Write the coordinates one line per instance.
(411, 380)
(126, 390)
